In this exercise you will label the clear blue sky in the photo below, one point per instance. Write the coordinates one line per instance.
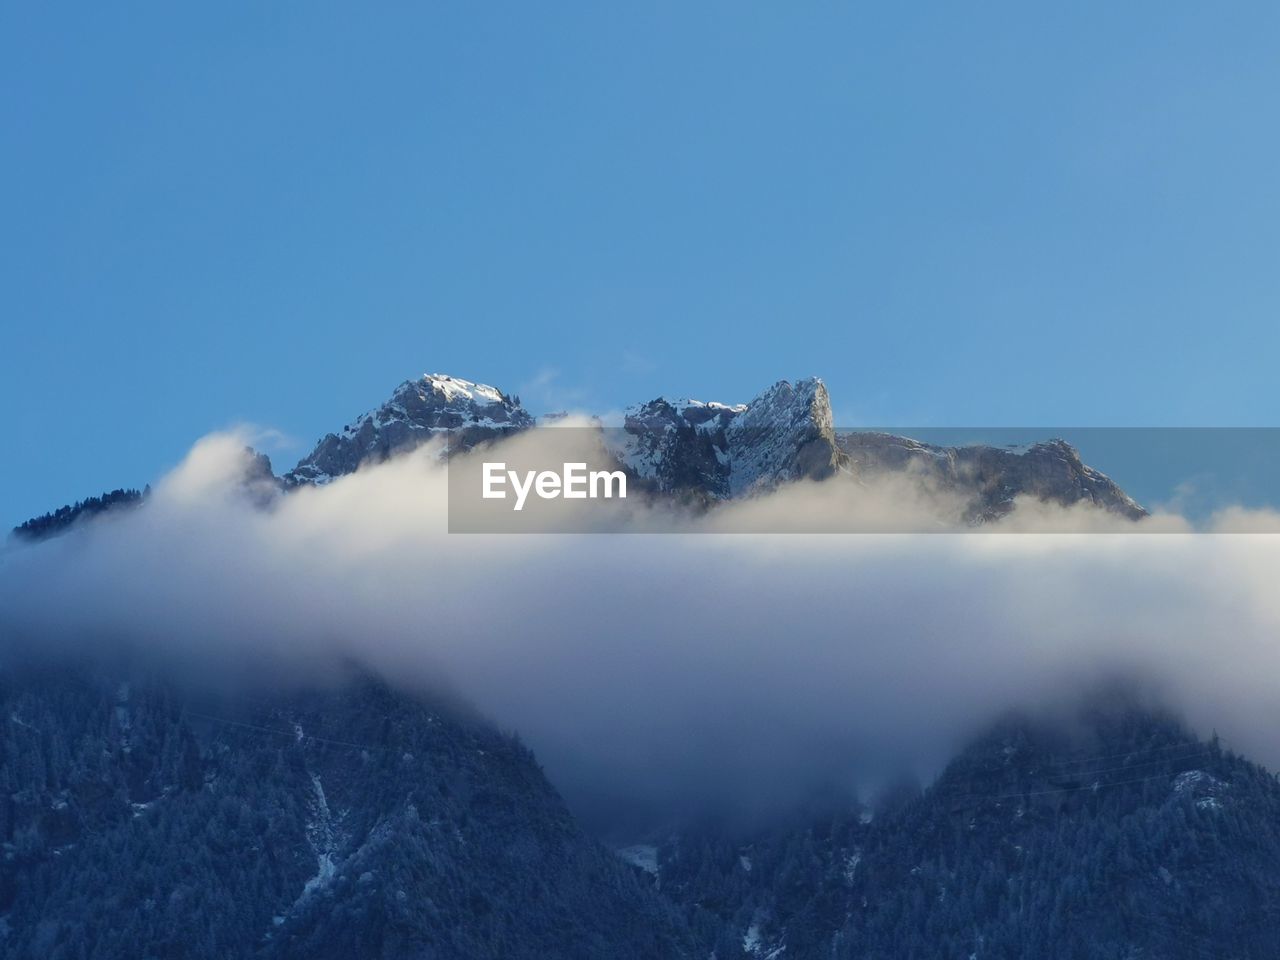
(971, 214)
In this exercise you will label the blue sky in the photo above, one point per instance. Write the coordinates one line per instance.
(1007, 214)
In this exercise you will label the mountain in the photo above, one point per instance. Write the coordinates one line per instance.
(787, 433)
(146, 817)
(145, 813)
(783, 434)
(1126, 838)
(143, 819)
(705, 450)
(64, 518)
(990, 478)
(433, 405)
(726, 451)
(720, 451)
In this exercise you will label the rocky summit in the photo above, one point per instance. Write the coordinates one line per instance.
(419, 410)
(706, 451)
(726, 451)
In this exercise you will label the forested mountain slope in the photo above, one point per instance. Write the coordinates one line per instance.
(141, 820)
(1130, 838)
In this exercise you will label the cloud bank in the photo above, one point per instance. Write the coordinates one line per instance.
(660, 673)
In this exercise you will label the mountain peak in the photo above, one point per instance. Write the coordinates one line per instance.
(417, 411)
(722, 450)
(710, 450)
(455, 389)
(784, 433)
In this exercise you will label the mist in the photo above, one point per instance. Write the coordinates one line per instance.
(689, 671)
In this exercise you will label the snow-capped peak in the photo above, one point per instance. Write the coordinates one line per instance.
(417, 410)
(685, 404)
(455, 388)
(727, 450)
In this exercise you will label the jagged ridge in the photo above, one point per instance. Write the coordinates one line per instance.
(418, 410)
(991, 478)
(783, 434)
(718, 451)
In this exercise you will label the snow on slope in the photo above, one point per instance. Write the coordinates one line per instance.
(419, 409)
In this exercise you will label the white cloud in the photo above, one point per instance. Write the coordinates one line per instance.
(666, 669)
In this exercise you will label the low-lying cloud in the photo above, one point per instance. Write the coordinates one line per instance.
(658, 673)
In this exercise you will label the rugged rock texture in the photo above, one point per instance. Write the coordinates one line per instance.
(784, 434)
(679, 445)
(419, 410)
(702, 451)
(991, 477)
(728, 451)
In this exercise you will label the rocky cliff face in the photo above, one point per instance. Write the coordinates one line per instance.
(716, 451)
(784, 434)
(679, 444)
(419, 410)
(729, 451)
